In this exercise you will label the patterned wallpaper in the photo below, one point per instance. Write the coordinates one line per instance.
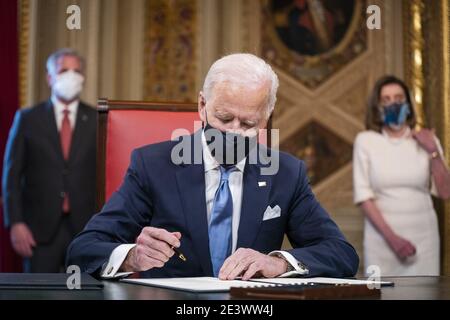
(170, 50)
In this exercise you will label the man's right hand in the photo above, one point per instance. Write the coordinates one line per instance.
(153, 249)
(402, 247)
(22, 239)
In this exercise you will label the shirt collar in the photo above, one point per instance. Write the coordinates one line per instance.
(210, 163)
(406, 134)
(59, 106)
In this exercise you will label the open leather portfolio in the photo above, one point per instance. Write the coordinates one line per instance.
(307, 292)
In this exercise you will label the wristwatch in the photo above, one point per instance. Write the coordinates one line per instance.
(302, 268)
(290, 267)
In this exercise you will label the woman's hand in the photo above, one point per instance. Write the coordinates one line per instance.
(426, 140)
(439, 170)
(401, 247)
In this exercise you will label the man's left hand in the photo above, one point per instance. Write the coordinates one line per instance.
(249, 263)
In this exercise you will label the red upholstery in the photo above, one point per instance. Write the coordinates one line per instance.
(130, 129)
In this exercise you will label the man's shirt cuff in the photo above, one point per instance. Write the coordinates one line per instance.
(295, 267)
(115, 261)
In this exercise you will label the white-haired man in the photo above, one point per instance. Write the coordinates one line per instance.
(223, 215)
(49, 164)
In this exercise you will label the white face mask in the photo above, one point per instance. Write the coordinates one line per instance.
(68, 85)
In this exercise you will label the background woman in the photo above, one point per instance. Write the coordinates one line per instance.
(395, 171)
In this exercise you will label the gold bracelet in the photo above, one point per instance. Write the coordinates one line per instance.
(434, 155)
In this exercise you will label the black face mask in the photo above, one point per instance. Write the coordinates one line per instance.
(228, 148)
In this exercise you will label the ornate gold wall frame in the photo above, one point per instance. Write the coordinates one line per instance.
(437, 97)
(24, 38)
(427, 30)
(312, 69)
(413, 17)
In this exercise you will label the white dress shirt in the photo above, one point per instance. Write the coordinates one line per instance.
(212, 180)
(59, 108)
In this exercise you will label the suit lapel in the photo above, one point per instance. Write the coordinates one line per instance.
(191, 188)
(52, 129)
(255, 200)
(79, 131)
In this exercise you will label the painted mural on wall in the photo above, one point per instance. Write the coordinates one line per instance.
(311, 28)
(313, 39)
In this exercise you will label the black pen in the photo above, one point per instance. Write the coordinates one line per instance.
(179, 253)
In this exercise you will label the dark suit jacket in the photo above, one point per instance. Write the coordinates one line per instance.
(156, 192)
(35, 174)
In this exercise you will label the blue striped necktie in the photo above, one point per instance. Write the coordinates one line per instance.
(220, 222)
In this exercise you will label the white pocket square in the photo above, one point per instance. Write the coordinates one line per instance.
(272, 213)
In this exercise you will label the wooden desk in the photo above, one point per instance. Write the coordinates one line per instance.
(406, 288)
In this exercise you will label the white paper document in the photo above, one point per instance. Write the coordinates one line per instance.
(197, 284)
(210, 284)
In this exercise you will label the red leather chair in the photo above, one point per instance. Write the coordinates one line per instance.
(126, 125)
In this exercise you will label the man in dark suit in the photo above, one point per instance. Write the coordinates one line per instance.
(49, 168)
(225, 214)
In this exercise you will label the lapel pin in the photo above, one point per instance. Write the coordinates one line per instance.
(261, 184)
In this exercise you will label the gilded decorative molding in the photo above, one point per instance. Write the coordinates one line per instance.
(432, 79)
(414, 49)
(446, 76)
(170, 50)
(446, 108)
(24, 39)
